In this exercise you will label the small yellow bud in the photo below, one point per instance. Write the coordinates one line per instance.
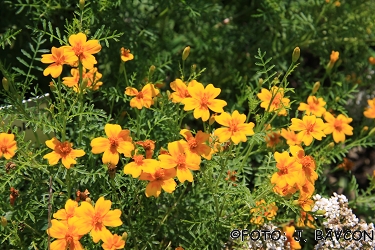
(296, 54)
(295, 202)
(337, 99)
(320, 212)
(185, 53)
(331, 144)
(193, 67)
(260, 82)
(212, 119)
(52, 87)
(5, 84)
(151, 70)
(4, 221)
(124, 236)
(365, 128)
(81, 4)
(371, 60)
(315, 88)
(372, 131)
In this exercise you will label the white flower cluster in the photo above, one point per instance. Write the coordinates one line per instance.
(269, 243)
(343, 230)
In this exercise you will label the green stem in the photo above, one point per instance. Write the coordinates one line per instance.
(126, 76)
(80, 97)
(68, 183)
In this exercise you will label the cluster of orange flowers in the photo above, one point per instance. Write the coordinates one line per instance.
(263, 210)
(80, 51)
(74, 221)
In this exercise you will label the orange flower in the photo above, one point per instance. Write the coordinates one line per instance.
(305, 220)
(8, 145)
(142, 98)
(67, 234)
(370, 111)
(68, 212)
(159, 179)
(126, 55)
(290, 137)
(13, 195)
(58, 57)
(197, 145)
(289, 173)
(236, 130)
(338, 126)
(84, 49)
(148, 146)
(139, 164)
(89, 78)
(64, 151)
(334, 56)
(182, 159)
(371, 60)
(112, 242)
(181, 90)
(274, 100)
(118, 141)
(310, 127)
(96, 219)
(263, 210)
(314, 106)
(305, 203)
(289, 231)
(202, 99)
(307, 162)
(232, 177)
(272, 139)
(347, 164)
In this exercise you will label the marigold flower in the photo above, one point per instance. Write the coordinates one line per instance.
(289, 173)
(118, 141)
(89, 78)
(64, 151)
(305, 203)
(182, 159)
(112, 241)
(67, 234)
(84, 49)
(272, 139)
(289, 231)
(347, 164)
(232, 177)
(142, 98)
(334, 56)
(306, 189)
(68, 212)
(314, 106)
(126, 55)
(307, 162)
(236, 130)
(58, 58)
(370, 111)
(274, 100)
(13, 195)
(290, 137)
(82, 196)
(139, 164)
(202, 99)
(159, 179)
(263, 210)
(96, 219)
(197, 145)
(181, 90)
(305, 220)
(338, 126)
(148, 146)
(8, 145)
(310, 127)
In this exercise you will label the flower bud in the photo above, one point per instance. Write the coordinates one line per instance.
(185, 53)
(124, 236)
(5, 84)
(81, 4)
(371, 60)
(337, 99)
(315, 88)
(4, 221)
(320, 212)
(372, 131)
(193, 67)
(331, 144)
(365, 128)
(296, 54)
(151, 70)
(260, 82)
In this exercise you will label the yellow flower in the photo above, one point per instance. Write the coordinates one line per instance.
(289, 231)
(274, 100)
(182, 159)
(58, 57)
(8, 145)
(96, 219)
(112, 242)
(118, 141)
(370, 111)
(314, 106)
(139, 164)
(263, 210)
(290, 137)
(142, 98)
(202, 99)
(310, 127)
(89, 78)
(181, 90)
(197, 145)
(236, 130)
(126, 55)
(339, 126)
(305, 220)
(83, 49)
(159, 179)
(64, 151)
(67, 234)
(68, 212)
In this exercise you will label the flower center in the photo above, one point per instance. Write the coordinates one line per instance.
(125, 52)
(69, 241)
(138, 159)
(338, 125)
(233, 126)
(204, 101)
(63, 149)
(192, 143)
(181, 160)
(283, 171)
(140, 95)
(187, 93)
(97, 222)
(4, 149)
(276, 100)
(159, 174)
(78, 50)
(114, 143)
(310, 127)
